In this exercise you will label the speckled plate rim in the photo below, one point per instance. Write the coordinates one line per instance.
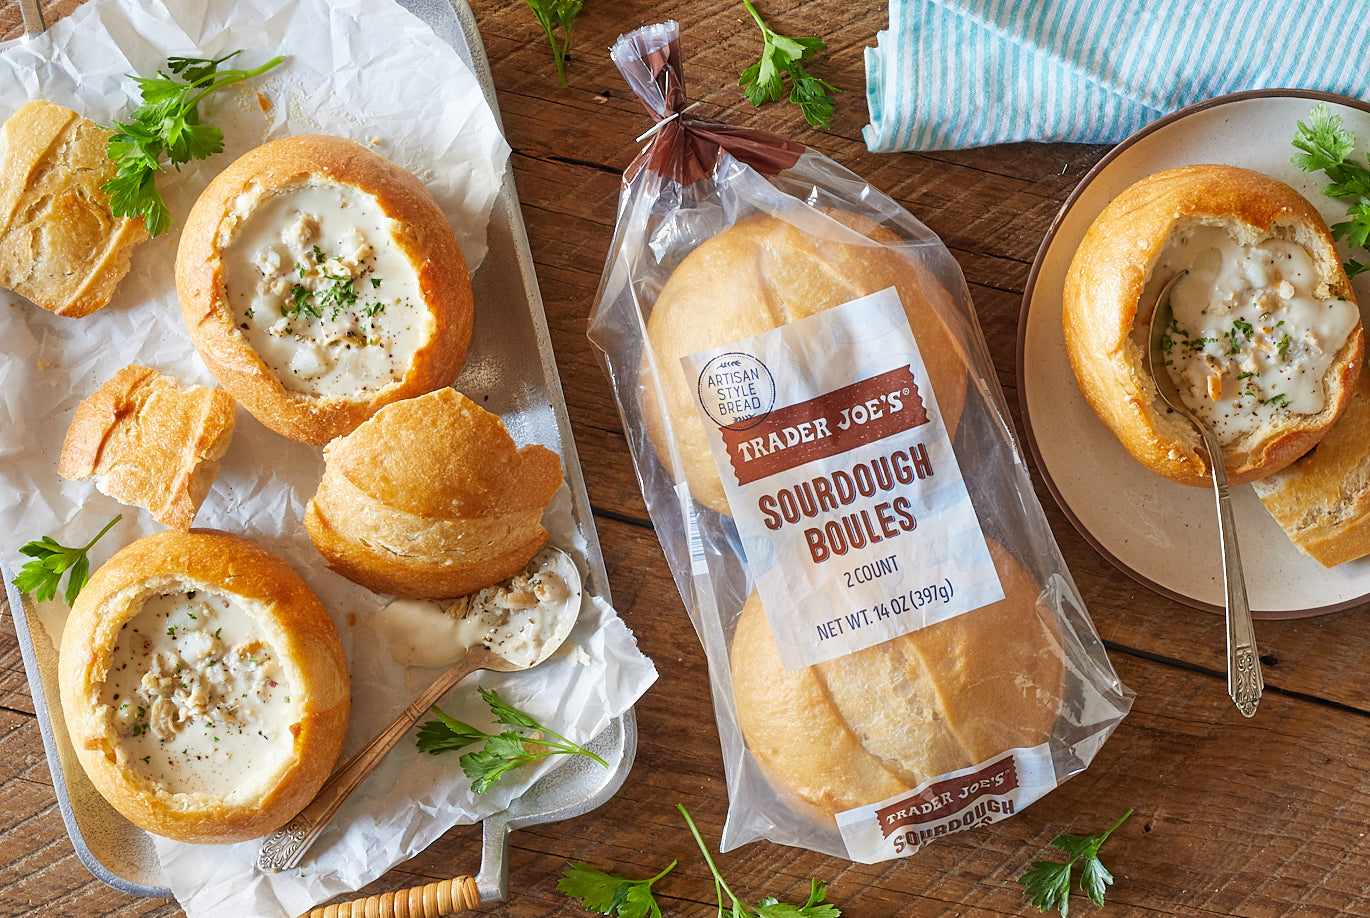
(1204, 591)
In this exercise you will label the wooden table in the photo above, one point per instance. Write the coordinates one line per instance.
(1261, 817)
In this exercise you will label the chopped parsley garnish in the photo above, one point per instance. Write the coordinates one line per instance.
(1284, 346)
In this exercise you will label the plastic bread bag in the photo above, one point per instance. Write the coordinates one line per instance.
(895, 647)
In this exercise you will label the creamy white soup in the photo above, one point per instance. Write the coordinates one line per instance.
(1250, 338)
(321, 291)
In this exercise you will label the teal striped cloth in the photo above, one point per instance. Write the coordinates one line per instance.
(965, 73)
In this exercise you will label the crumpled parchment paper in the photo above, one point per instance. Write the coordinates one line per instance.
(372, 71)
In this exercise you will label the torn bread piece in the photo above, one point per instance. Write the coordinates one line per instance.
(60, 244)
(148, 440)
(1322, 501)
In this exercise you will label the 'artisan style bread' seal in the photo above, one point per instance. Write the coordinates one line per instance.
(319, 282)
(204, 687)
(1266, 342)
(762, 273)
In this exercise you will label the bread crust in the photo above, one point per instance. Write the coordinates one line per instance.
(422, 234)
(60, 244)
(1104, 288)
(431, 498)
(291, 619)
(1322, 501)
(879, 722)
(762, 273)
(149, 441)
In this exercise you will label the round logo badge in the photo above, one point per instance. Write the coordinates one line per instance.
(736, 391)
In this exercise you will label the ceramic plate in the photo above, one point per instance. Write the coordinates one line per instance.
(1163, 534)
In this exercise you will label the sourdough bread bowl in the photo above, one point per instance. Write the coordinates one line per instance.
(60, 244)
(319, 282)
(431, 499)
(1267, 342)
(204, 687)
(873, 724)
(762, 273)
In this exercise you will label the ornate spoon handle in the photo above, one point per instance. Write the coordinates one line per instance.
(1244, 682)
(284, 849)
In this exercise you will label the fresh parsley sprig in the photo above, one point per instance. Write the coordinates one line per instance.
(1047, 883)
(553, 15)
(502, 752)
(51, 560)
(1327, 146)
(769, 907)
(165, 129)
(610, 894)
(781, 55)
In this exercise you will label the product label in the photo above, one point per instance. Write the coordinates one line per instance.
(841, 476)
(965, 799)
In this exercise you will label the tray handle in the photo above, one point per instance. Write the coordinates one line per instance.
(445, 897)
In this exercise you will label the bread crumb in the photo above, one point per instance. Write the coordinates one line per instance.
(263, 102)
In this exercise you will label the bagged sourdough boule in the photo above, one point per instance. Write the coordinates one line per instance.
(897, 649)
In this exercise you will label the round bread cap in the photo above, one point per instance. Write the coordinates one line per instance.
(1106, 322)
(762, 273)
(204, 686)
(319, 282)
(873, 724)
(458, 508)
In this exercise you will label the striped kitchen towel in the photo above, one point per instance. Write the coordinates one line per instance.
(965, 73)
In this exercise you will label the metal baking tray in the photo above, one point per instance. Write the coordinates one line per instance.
(512, 365)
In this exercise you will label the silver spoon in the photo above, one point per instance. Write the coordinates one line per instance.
(1244, 682)
(503, 650)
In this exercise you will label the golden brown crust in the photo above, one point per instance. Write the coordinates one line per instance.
(1322, 501)
(1104, 287)
(291, 619)
(762, 273)
(149, 441)
(424, 237)
(60, 244)
(862, 728)
(431, 498)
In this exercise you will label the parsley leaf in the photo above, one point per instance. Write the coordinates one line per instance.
(1327, 146)
(1047, 883)
(554, 14)
(51, 560)
(781, 54)
(769, 907)
(610, 894)
(502, 752)
(166, 128)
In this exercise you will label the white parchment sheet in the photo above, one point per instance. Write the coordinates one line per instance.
(365, 69)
